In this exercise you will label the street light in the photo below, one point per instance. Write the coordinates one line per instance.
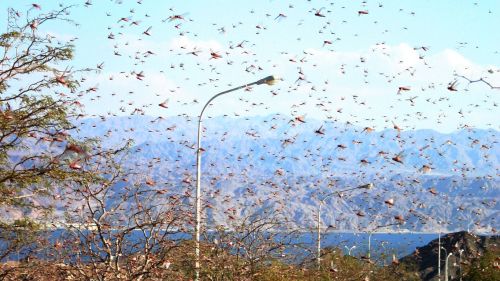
(350, 249)
(385, 250)
(446, 266)
(439, 257)
(321, 202)
(269, 80)
(460, 262)
(370, 236)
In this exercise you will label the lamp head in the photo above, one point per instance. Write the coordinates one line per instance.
(366, 186)
(269, 80)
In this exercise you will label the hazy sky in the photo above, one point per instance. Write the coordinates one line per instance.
(336, 62)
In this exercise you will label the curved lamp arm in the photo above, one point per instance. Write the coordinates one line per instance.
(269, 80)
(364, 186)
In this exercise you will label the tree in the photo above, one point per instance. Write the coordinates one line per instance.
(256, 243)
(119, 227)
(485, 267)
(38, 101)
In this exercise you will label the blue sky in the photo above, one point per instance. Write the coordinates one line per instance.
(355, 78)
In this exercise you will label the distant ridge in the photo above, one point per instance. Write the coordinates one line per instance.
(269, 159)
(464, 246)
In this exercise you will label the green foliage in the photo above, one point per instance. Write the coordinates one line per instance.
(485, 268)
(6, 38)
(31, 115)
(36, 110)
(26, 223)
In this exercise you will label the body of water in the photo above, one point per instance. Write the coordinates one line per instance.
(400, 244)
(383, 245)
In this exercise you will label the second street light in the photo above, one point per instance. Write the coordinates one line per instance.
(321, 202)
(446, 266)
(269, 80)
(370, 237)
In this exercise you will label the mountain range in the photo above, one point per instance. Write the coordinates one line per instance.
(423, 180)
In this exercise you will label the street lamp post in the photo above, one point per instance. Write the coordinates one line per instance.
(321, 202)
(370, 236)
(446, 266)
(460, 262)
(269, 80)
(439, 256)
(370, 245)
(385, 250)
(350, 249)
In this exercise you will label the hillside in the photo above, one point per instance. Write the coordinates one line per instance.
(466, 249)
(290, 166)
